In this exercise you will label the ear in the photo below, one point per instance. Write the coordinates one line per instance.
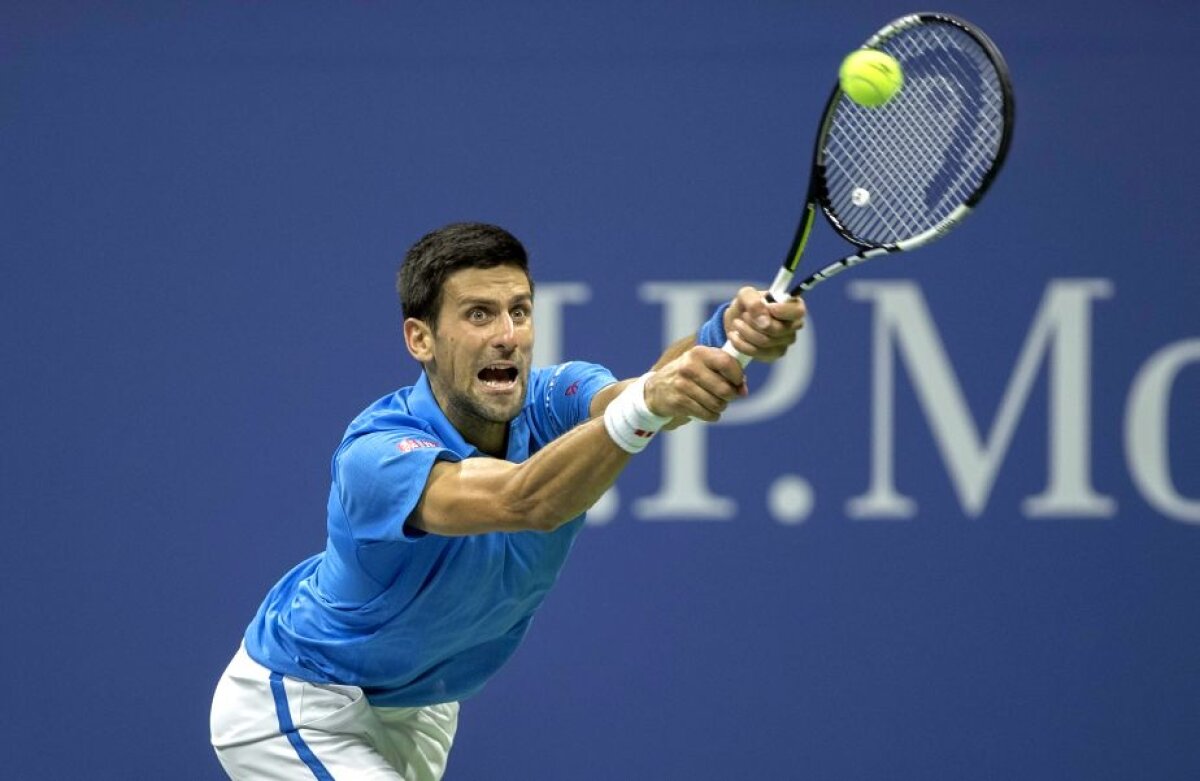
(418, 338)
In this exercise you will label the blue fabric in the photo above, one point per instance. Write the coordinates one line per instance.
(417, 619)
(712, 333)
(289, 729)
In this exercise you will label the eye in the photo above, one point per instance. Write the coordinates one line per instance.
(477, 315)
(520, 314)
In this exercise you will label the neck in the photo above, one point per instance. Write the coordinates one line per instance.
(486, 435)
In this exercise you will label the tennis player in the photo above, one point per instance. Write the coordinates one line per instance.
(453, 506)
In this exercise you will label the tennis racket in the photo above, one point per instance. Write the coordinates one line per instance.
(899, 176)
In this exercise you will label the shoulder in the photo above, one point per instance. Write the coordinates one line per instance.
(560, 396)
(570, 379)
(570, 382)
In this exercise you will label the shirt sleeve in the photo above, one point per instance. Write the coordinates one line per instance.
(563, 396)
(379, 478)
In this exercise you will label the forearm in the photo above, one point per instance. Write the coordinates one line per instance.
(556, 484)
(568, 476)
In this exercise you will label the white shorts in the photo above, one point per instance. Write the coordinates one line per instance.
(273, 727)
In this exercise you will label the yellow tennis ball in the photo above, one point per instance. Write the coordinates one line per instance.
(870, 77)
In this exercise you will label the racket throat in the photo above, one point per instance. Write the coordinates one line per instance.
(803, 231)
(833, 269)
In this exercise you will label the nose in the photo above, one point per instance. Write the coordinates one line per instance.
(506, 331)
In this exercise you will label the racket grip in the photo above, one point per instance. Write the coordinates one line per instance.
(728, 347)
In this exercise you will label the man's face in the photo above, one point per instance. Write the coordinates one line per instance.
(481, 350)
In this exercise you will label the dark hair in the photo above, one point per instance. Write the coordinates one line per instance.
(430, 262)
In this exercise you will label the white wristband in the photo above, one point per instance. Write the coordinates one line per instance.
(629, 421)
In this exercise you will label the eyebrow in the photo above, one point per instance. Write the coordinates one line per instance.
(479, 301)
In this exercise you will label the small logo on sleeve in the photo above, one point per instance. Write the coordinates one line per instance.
(572, 389)
(409, 445)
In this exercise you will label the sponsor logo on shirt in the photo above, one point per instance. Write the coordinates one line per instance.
(572, 389)
(409, 445)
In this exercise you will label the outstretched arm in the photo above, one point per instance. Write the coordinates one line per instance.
(689, 381)
(479, 495)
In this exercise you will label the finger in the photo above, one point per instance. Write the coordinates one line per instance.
(768, 350)
(709, 406)
(742, 334)
(692, 387)
(771, 330)
(755, 308)
(790, 312)
(745, 339)
(708, 388)
(722, 363)
(699, 403)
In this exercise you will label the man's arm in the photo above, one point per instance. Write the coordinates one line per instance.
(565, 478)
(479, 495)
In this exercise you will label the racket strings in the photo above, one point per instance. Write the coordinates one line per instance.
(895, 171)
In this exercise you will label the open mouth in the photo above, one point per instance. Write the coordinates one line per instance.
(500, 376)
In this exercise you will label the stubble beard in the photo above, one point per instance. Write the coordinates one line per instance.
(469, 412)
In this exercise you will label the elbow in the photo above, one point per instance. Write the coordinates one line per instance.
(550, 523)
(536, 517)
(542, 525)
(526, 509)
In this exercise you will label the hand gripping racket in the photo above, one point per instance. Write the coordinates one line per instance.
(898, 176)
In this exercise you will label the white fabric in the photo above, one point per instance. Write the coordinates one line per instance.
(353, 739)
(629, 422)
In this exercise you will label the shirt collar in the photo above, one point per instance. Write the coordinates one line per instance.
(424, 405)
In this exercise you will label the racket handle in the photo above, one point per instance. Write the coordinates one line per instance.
(741, 359)
(780, 286)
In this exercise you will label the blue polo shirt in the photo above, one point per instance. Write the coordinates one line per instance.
(416, 619)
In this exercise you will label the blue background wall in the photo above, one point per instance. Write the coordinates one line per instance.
(203, 207)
